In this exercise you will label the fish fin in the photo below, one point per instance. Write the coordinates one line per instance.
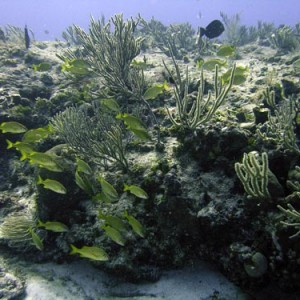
(119, 116)
(40, 223)
(126, 187)
(73, 249)
(9, 144)
(126, 215)
(40, 180)
(166, 86)
(202, 31)
(24, 155)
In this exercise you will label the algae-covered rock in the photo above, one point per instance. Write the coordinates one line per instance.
(35, 90)
(52, 205)
(11, 287)
(289, 87)
(258, 266)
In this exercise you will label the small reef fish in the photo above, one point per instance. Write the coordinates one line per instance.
(83, 167)
(52, 185)
(111, 104)
(12, 127)
(93, 252)
(135, 125)
(100, 197)
(75, 67)
(36, 135)
(84, 183)
(136, 226)
(226, 50)
(240, 75)
(37, 241)
(42, 67)
(108, 190)
(114, 234)
(21, 146)
(155, 90)
(130, 120)
(136, 190)
(212, 30)
(141, 65)
(43, 160)
(112, 221)
(141, 133)
(211, 64)
(53, 226)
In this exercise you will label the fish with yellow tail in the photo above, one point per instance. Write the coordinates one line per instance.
(93, 252)
(108, 191)
(135, 125)
(136, 190)
(37, 134)
(53, 226)
(43, 160)
(136, 226)
(12, 127)
(114, 234)
(113, 221)
(83, 167)
(52, 185)
(37, 241)
(20, 146)
(155, 90)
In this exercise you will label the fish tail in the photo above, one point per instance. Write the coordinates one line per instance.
(165, 86)
(119, 116)
(40, 180)
(40, 223)
(126, 215)
(73, 249)
(50, 128)
(9, 144)
(23, 155)
(202, 31)
(101, 215)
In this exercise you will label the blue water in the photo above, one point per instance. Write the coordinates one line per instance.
(53, 16)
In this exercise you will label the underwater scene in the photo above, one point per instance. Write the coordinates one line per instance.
(150, 150)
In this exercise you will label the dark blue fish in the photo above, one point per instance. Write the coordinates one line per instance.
(213, 29)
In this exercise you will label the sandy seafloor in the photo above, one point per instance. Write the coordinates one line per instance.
(80, 280)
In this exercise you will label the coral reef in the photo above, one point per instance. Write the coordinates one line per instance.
(153, 187)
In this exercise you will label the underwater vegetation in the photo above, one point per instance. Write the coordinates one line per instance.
(284, 38)
(253, 175)
(176, 39)
(144, 146)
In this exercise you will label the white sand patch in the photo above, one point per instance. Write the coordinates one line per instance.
(80, 280)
